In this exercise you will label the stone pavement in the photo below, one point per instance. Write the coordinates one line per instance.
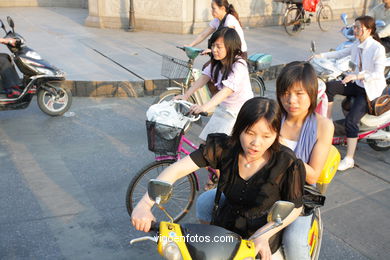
(107, 62)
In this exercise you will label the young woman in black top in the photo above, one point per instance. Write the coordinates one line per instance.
(256, 171)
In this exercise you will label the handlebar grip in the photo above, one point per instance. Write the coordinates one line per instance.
(155, 226)
(204, 114)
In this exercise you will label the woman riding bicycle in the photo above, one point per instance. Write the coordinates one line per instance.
(255, 170)
(224, 16)
(229, 73)
(305, 132)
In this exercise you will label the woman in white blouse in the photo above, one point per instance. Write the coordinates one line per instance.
(224, 16)
(367, 81)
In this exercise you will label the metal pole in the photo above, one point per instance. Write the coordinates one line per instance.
(131, 17)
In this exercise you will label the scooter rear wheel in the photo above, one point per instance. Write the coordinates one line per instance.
(54, 105)
(379, 145)
(182, 198)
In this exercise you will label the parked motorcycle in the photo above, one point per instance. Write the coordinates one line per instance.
(373, 129)
(39, 77)
(197, 241)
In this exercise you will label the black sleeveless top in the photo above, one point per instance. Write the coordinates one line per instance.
(248, 201)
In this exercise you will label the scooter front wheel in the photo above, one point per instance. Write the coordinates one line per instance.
(379, 145)
(54, 104)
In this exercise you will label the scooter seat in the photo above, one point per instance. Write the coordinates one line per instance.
(371, 121)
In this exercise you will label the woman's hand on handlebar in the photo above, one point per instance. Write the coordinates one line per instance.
(205, 52)
(197, 109)
(262, 247)
(142, 216)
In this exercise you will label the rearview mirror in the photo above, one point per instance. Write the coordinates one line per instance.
(343, 17)
(10, 22)
(313, 46)
(279, 211)
(159, 191)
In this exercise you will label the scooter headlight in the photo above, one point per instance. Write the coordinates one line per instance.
(171, 251)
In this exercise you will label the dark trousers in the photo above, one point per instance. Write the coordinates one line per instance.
(358, 108)
(8, 74)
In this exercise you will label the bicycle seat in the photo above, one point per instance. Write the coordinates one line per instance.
(192, 52)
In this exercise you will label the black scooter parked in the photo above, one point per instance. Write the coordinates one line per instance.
(39, 77)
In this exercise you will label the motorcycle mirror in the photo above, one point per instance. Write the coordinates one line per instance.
(159, 191)
(2, 26)
(343, 17)
(11, 23)
(280, 210)
(313, 46)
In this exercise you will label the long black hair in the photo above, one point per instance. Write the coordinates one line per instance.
(251, 112)
(232, 43)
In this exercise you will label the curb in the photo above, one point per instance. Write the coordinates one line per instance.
(139, 88)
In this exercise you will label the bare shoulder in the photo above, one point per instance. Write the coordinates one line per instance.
(325, 125)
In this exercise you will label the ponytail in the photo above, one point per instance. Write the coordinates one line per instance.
(233, 12)
(228, 7)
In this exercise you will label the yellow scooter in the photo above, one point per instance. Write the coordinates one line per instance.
(200, 241)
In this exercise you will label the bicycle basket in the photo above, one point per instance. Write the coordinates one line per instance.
(163, 139)
(173, 68)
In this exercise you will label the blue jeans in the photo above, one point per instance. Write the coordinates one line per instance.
(295, 236)
(205, 205)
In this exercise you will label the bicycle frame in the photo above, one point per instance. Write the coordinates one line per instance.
(181, 149)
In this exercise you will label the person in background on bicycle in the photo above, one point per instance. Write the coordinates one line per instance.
(9, 77)
(367, 81)
(256, 171)
(305, 132)
(308, 134)
(382, 12)
(224, 16)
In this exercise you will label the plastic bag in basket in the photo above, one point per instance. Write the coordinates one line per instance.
(165, 113)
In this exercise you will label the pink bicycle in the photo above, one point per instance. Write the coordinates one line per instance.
(169, 144)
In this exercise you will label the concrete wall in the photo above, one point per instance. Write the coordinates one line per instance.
(45, 3)
(178, 16)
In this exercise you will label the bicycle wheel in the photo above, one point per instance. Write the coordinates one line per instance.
(325, 17)
(182, 197)
(258, 86)
(293, 21)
